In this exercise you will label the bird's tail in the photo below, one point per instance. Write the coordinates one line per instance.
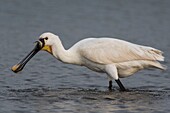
(153, 54)
(158, 65)
(157, 54)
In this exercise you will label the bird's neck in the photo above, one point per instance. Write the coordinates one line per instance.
(66, 56)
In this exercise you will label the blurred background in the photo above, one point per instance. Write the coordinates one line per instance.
(21, 23)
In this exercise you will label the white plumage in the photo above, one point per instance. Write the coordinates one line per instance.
(116, 58)
(127, 57)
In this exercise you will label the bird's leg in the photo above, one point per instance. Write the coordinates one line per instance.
(122, 88)
(112, 73)
(110, 85)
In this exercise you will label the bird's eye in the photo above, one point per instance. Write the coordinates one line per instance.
(46, 38)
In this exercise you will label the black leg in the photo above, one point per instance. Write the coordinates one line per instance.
(110, 85)
(122, 88)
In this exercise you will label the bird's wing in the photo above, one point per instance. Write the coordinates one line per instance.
(107, 51)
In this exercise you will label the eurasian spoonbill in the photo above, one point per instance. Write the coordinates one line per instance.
(116, 58)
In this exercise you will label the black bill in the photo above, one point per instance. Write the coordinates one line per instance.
(18, 67)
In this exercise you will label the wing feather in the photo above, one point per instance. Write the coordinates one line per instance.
(109, 50)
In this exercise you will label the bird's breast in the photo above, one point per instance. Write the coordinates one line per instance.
(93, 66)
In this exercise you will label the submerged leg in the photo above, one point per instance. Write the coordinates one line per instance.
(110, 85)
(122, 88)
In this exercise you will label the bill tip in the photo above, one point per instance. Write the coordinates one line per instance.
(15, 67)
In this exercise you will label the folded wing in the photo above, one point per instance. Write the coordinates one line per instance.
(108, 51)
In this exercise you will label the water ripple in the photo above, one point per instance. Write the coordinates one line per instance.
(134, 99)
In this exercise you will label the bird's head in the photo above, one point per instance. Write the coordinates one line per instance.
(45, 42)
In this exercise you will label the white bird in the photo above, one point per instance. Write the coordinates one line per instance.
(116, 58)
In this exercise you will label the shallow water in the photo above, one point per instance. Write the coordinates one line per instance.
(49, 86)
(85, 100)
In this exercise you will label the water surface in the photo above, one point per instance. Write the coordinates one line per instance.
(49, 86)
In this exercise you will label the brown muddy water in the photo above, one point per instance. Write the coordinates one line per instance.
(49, 86)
